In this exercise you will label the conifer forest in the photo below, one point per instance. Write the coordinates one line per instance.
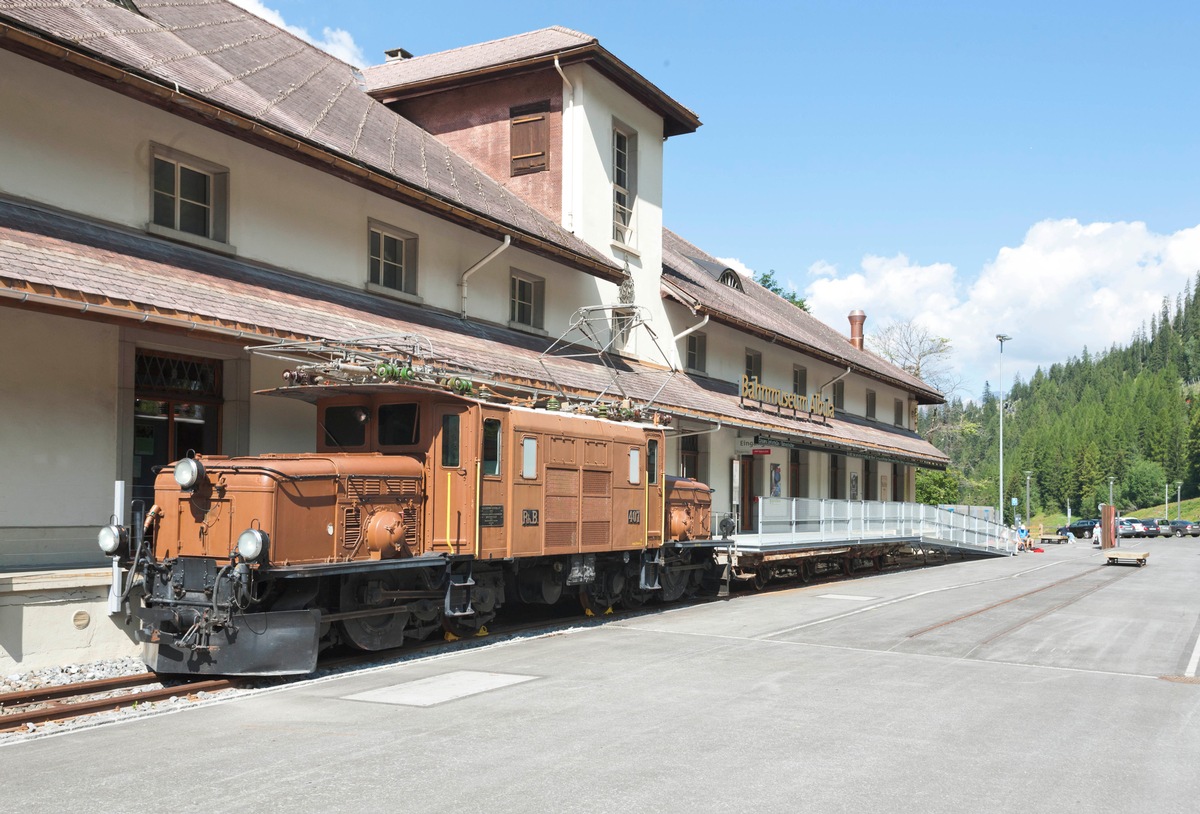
(1124, 418)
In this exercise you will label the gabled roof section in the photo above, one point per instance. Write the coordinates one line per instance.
(534, 50)
(215, 63)
(688, 278)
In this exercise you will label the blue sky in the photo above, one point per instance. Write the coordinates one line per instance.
(1022, 168)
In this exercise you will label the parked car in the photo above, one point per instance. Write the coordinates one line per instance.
(1082, 529)
(1188, 527)
(1160, 526)
(1130, 527)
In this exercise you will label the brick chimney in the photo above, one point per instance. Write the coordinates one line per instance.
(857, 318)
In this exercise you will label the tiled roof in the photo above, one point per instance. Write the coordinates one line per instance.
(502, 51)
(65, 260)
(684, 268)
(535, 49)
(219, 53)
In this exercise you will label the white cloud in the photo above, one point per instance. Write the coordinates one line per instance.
(1068, 285)
(335, 41)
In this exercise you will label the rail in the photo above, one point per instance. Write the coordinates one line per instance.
(808, 521)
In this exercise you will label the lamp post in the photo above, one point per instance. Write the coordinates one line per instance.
(1111, 478)
(1028, 473)
(1178, 491)
(1002, 338)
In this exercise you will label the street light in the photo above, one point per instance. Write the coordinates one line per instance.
(1028, 473)
(1178, 488)
(1111, 478)
(1002, 338)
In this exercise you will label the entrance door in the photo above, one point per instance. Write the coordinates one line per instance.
(749, 493)
(177, 410)
(453, 505)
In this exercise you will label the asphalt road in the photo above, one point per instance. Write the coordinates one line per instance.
(1044, 682)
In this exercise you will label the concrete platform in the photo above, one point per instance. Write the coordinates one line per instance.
(977, 686)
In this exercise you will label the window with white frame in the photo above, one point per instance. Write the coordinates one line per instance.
(799, 380)
(697, 352)
(624, 180)
(392, 256)
(189, 196)
(870, 404)
(527, 295)
(622, 327)
(753, 364)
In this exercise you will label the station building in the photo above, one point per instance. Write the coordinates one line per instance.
(180, 181)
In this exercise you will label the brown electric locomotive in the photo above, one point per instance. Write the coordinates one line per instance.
(427, 506)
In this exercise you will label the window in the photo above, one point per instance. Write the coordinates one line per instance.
(689, 457)
(839, 395)
(398, 426)
(529, 139)
(189, 196)
(871, 481)
(799, 380)
(529, 458)
(635, 465)
(730, 279)
(491, 446)
(652, 461)
(836, 490)
(899, 419)
(176, 408)
(697, 352)
(797, 473)
(753, 364)
(392, 262)
(450, 453)
(622, 327)
(345, 426)
(526, 297)
(870, 404)
(624, 182)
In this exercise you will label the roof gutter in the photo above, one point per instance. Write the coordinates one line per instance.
(209, 114)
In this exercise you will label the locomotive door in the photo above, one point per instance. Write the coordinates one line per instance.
(655, 477)
(452, 520)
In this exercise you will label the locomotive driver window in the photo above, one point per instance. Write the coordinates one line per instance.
(491, 446)
(397, 425)
(345, 426)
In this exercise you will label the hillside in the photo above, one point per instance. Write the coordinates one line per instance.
(1123, 417)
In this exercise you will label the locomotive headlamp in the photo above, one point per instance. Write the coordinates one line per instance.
(112, 539)
(188, 472)
(251, 543)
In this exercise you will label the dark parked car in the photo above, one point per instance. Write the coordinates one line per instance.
(1182, 527)
(1082, 529)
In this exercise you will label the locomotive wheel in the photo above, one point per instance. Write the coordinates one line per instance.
(464, 627)
(592, 605)
(675, 583)
(372, 632)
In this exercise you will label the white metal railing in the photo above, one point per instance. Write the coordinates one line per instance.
(808, 520)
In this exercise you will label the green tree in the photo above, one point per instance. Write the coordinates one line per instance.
(934, 487)
(769, 282)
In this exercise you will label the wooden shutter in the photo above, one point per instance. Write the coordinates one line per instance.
(530, 138)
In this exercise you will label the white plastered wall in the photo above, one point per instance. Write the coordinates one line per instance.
(58, 393)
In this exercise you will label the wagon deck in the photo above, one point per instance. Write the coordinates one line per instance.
(1119, 555)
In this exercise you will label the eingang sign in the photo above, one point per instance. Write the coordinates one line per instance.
(813, 405)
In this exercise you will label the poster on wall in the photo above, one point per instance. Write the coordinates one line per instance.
(776, 481)
(854, 486)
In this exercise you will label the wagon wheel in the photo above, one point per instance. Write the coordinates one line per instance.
(804, 569)
(762, 575)
(380, 632)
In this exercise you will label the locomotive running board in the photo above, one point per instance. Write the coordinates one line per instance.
(264, 644)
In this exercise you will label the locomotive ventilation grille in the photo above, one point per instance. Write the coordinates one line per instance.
(362, 487)
(352, 526)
